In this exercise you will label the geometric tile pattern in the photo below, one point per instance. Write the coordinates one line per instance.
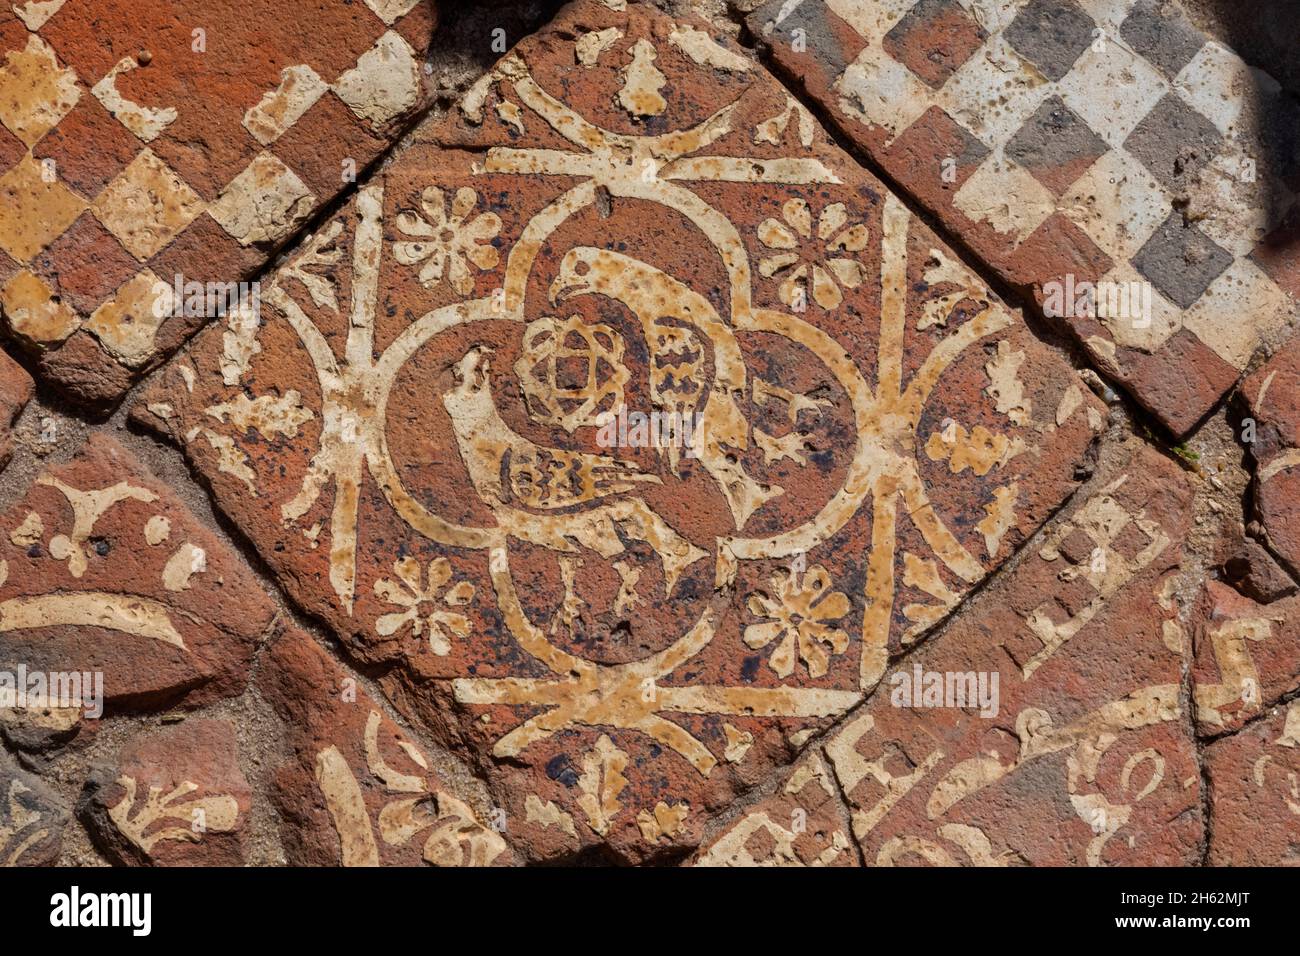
(1104, 140)
(162, 138)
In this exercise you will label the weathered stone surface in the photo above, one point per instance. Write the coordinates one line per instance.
(1250, 569)
(1089, 758)
(803, 823)
(354, 792)
(1254, 780)
(1073, 141)
(1273, 399)
(175, 799)
(145, 139)
(1247, 656)
(104, 571)
(31, 818)
(627, 213)
(16, 389)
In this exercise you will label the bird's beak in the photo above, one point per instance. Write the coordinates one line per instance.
(472, 369)
(565, 284)
(480, 367)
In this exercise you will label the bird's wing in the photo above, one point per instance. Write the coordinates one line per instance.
(547, 478)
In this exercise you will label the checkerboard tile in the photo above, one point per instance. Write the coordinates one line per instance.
(1093, 138)
(141, 139)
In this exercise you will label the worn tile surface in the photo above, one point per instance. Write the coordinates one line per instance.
(619, 472)
(103, 569)
(141, 140)
(32, 818)
(1090, 757)
(1247, 657)
(627, 213)
(1272, 396)
(1255, 778)
(355, 792)
(1080, 141)
(177, 799)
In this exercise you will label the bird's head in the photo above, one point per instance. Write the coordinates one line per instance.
(471, 372)
(580, 270)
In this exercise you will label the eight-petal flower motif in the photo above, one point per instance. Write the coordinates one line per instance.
(447, 241)
(798, 617)
(826, 263)
(423, 603)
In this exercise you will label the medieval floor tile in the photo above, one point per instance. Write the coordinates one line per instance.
(31, 818)
(1048, 724)
(627, 417)
(1254, 777)
(16, 388)
(355, 792)
(1132, 174)
(803, 823)
(175, 799)
(105, 575)
(1272, 433)
(1249, 568)
(113, 118)
(1247, 656)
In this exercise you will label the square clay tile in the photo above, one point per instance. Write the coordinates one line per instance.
(37, 818)
(147, 205)
(35, 209)
(934, 39)
(89, 147)
(194, 768)
(33, 312)
(1247, 657)
(385, 82)
(264, 203)
(1214, 69)
(1118, 203)
(109, 571)
(85, 264)
(328, 144)
(1056, 145)
(352, 771)
(1253, 776)
(1112, 90)
(1051, 34)
(409, 431)
(1272, 394)
(127, 323)
(999, 75)
(1091, 679)
(1241, 295)
(36, 91)
(139, 107)
(1162, 35)
(205, 252)
(1185, 120)
(1174, 142)
(1181, 260)
(1007, 197)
